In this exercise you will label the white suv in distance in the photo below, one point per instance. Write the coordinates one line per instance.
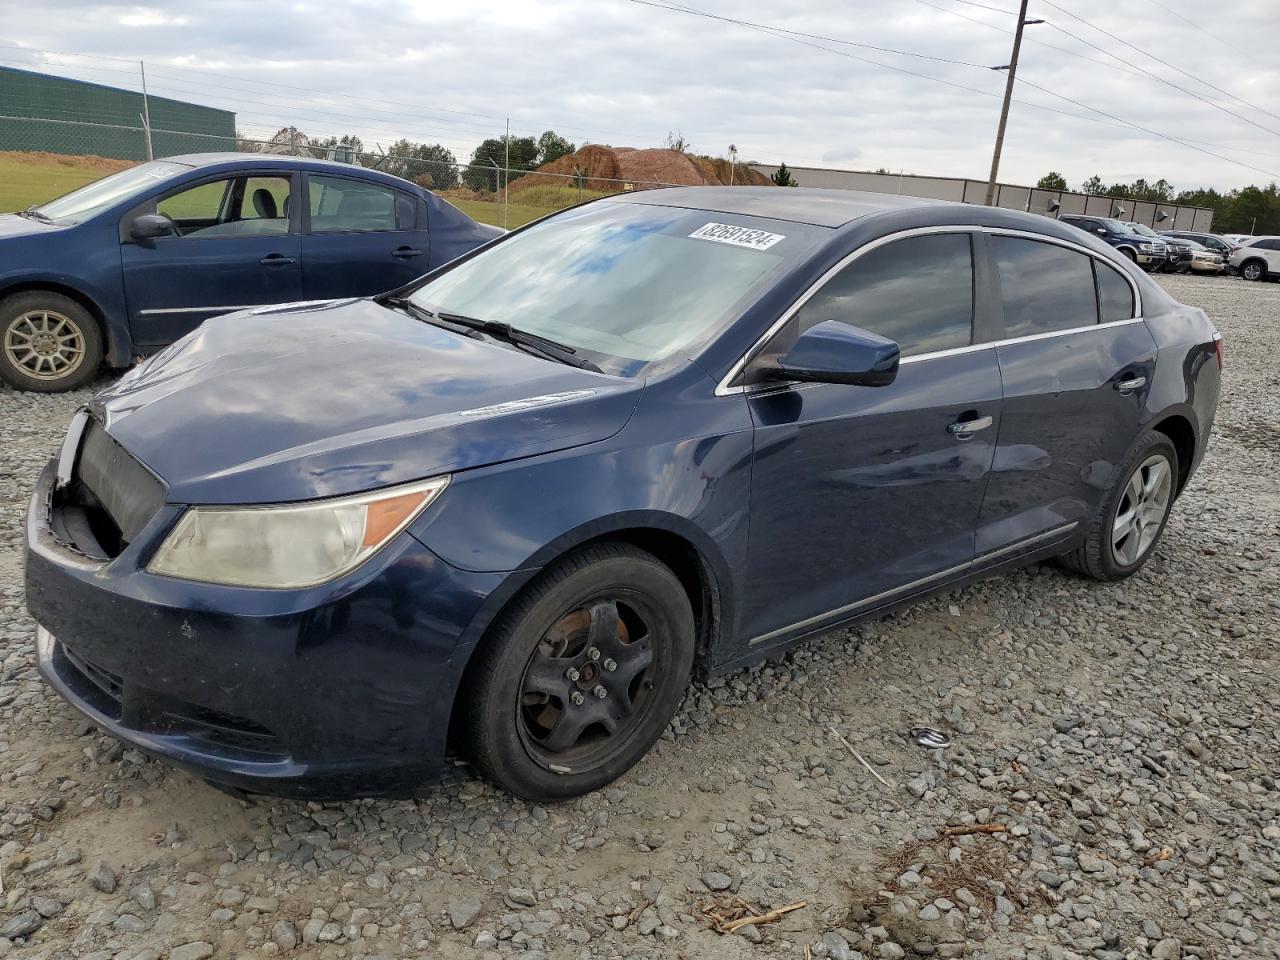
(1258, 259)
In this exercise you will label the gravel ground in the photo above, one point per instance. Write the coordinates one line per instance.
(1125, 736)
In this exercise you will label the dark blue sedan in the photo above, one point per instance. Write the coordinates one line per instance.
(133, 262)
(511, 506)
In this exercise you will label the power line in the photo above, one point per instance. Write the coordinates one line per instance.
(790, 35)
(1197, 26)
(1192, 76)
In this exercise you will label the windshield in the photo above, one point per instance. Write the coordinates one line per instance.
(81, 204)
(1143, 231)
(624, 284)
(1193, 245)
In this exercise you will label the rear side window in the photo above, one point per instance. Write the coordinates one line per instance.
(1115, 296)
(917, 292)
(339, 205)
(1045, 287)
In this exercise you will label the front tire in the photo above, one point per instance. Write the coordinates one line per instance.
(580, 676)
(1130, 519)
(48, 342)
(1253, 270)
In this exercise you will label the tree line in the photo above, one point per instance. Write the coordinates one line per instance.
(1251, 209)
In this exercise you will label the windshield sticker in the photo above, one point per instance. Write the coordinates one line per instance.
(737, 236)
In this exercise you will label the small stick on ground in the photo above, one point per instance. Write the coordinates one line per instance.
(773, 916)
(973, 828)
(857, 756)
(808, 954)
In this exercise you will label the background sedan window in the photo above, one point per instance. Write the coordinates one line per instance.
(339, 205)
(917, 292)
(1046, 287)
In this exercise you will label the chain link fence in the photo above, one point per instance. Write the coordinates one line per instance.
(56, 155)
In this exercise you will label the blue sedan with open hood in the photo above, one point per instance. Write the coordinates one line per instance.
(508, 509)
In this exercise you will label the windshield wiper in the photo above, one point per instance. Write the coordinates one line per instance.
(419, 312)
(543, 346)
(31, 213)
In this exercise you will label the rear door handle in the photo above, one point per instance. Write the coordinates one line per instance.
(1127, 387)
(404, 253)
(967, 428)
(276, 260)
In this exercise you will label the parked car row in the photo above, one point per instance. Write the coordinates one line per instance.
(128, 264)
(514, 504)
(1173, 251)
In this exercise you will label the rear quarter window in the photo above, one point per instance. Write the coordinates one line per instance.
(1045, 288)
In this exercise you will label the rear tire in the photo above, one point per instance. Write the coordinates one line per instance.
(48, 342)
(1130, 519)
(581, 675)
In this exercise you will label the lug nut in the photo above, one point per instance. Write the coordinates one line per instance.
(573, 674)
(611, 665)
(600, 691)
(576, 697)
(593, 653)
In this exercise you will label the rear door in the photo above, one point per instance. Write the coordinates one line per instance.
(236, 246)
(858, 493)
(362, 238)
(1076, 362)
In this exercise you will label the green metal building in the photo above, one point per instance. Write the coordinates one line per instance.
(59, 115)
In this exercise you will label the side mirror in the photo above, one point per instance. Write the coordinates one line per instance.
(835, 352)
(1101, 231)
(149, 226)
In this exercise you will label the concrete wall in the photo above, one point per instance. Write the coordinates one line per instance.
(1012, 197)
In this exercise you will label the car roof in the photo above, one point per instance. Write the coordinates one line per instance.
(288, 161)
(822, 208)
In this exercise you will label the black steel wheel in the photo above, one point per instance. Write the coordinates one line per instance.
(582, 674)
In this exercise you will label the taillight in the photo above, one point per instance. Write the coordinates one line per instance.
(1218, 348)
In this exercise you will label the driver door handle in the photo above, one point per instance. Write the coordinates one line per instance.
(404, 253)
(963, 429)
(276, 260)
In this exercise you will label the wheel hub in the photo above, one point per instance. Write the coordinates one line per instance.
(1141, 510)
(584, 681)
(44, 344)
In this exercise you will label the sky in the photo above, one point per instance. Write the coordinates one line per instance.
(629, 72)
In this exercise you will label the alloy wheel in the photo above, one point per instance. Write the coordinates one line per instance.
(587, 684)
(1252, 271)
(44, 344)
(1141, 510)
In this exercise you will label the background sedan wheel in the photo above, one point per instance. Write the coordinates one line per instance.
(581, 675)
(1132, 514)
(48, 342)
(1253, 270)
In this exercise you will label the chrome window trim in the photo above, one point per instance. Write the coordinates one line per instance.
(724, 390)
(1043, 538)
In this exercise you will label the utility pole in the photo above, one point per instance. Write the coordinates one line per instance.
(146, 110)
(506, 177)
(1012, 67)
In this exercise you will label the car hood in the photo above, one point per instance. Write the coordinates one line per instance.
(304, 401)
(14, 226)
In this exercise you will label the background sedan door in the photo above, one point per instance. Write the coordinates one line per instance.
(860, 493)
(1074, 389)
(235, 248)
(362, 238)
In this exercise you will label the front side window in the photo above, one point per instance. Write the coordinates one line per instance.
(918, 292)
(1045, 287)
(230, 207)
(624, 283)
(340, 205)
(1115, 296)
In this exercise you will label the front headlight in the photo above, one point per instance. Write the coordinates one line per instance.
(1145, 246)
(289, 545)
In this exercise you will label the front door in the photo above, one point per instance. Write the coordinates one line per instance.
(362, 238)
(863, 494)
(235, 245)
(1076, 365)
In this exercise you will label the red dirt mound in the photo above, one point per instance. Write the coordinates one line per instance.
(603, 166)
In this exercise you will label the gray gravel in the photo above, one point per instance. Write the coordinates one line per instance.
(1125, 737)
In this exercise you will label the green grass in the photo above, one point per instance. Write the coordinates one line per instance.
(526, 205)
(36, 178)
